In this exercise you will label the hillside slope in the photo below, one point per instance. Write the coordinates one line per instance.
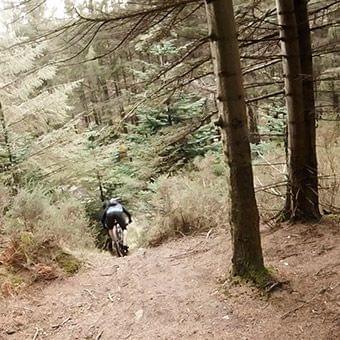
(176, 292)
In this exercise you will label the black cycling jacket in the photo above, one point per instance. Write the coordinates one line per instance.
(118, 216)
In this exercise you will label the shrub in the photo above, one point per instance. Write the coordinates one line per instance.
(64, 221)
(4, 202)
(187, 203)
(67, 222)
(270, 175)
(28, 209)
(36, 232)
(270, 178)
(329, 165)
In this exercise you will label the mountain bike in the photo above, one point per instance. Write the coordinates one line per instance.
(116, 235)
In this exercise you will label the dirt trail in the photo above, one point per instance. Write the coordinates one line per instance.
(175, 292)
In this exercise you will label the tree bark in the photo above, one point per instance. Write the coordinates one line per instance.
(301, 115)
(94, 102)
(253, 126)
(6, 137)
(120, 103)
(311, 210)
(10, 166)
(83, 100)
(247, 260)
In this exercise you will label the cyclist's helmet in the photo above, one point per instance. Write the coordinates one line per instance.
(113, 201)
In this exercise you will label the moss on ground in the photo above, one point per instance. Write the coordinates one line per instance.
(260, 278)
(68, 263)
(10, 281)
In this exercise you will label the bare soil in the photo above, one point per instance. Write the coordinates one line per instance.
(178, 291)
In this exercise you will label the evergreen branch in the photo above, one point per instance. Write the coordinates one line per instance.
(179, 61)
(334, 3)
(60, 30)
(270, 95)
(86, 45)
(194, 126)
(141, 13)
(262, 66)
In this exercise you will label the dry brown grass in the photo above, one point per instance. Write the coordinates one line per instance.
(188, 203)
(270, 176)
(35, 232)
(329, 166)
(270, 182)
(197, 201)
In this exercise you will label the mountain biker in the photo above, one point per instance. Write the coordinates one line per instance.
(115, 212)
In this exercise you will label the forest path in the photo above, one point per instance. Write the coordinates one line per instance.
(174, 292)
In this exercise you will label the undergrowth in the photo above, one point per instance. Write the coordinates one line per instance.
(36, 230)
(195, 200)
(185, 204)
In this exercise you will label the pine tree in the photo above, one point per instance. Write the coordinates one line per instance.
(247, 258)
(298, 77)
(28, 108)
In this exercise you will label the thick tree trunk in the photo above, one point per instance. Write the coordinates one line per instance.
(299, 135)
(311, 209)
(247, 258)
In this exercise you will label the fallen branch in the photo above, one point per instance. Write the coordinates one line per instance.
(127, 336)
(209, 233)
(99, 335)
(110, 297)
(188, 253)
(90, 293)
(36, 334)
(294, 310)
(273, 94)
(108, 274)
(274, 285)
(302, 304)
(62, 323)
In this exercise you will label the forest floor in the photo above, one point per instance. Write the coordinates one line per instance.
(176, 291)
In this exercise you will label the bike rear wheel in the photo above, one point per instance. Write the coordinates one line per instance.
(117, 241)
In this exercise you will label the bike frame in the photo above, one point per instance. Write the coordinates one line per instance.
(116, 239)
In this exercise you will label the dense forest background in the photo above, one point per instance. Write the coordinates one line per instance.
(118, 98)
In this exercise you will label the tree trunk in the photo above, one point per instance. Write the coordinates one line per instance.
(247, 258)
(286, 213)
(335, 97)
(120, 103)
(6, 137)
(301, 138)
(254, 136)
(94, 103)
(90, 6)
(311, 210)
(83, 100)
(105, 97)
(10, 166)
(100, 186)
